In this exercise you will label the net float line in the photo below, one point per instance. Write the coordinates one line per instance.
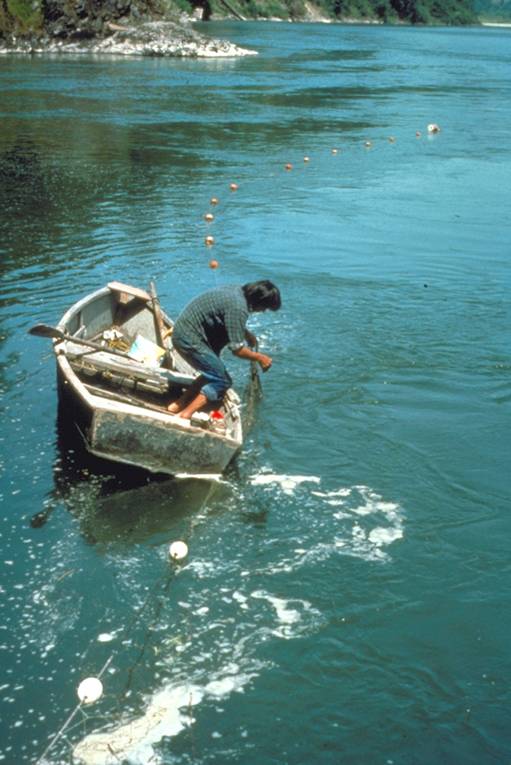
(90, 689)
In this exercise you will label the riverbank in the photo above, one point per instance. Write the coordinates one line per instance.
(164, 27)
(156, 38)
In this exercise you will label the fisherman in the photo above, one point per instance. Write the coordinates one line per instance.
(211, 321)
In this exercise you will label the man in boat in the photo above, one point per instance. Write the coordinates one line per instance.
(208, 324)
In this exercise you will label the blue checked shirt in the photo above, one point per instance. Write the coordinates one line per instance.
(215, 319)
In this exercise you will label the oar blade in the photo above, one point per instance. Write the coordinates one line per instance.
(44, 330)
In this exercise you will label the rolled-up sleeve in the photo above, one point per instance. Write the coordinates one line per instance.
(235, 323)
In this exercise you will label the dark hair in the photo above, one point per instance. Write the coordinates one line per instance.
(262, 295)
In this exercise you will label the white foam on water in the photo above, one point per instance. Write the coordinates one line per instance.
(169, 711)
(288, 483)
(214, 673)
(201, 568)
(294, 616)
(362, 525)
(105, 637)
(227, 618)
(133, 741)
(227, 685)
(241, 599)
(381, 537)
(213, 477)
(337, 493)
(285, 614)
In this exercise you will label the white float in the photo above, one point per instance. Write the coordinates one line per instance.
(178, 550)
(90, 690)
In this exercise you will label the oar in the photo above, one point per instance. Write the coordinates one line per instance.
(44, 330)
(159, 326)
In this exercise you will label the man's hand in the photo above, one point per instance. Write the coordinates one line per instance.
(264, 361)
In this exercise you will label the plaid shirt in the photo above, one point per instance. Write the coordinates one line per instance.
(215, 319)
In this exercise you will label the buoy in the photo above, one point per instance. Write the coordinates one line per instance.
(289, 166)
(233, 187)
(418, 133)
(334, 151)
(306, 159)
(433, 128)
(209, 217)
(90, 690)
(391, 139)
(209, 240)
(178, 550)
(368, 144)
(213, 264)
(213, 201)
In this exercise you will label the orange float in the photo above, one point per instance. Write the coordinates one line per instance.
(213, 264)
(233, 187)
(289, 166)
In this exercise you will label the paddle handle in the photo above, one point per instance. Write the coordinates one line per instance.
(53, 333)
(159, 326)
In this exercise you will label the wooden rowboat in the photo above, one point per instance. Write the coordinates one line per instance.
(113, 384)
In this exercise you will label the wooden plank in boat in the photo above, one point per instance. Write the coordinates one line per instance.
(126, 292)
(102, 361)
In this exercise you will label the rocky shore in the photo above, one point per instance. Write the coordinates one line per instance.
(163, 28)
(119, 27)
(156, 38)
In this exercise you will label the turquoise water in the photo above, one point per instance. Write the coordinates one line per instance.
(346, 594)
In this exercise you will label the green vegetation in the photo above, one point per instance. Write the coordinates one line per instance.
(20, 16)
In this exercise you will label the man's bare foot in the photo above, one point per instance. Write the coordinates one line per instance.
(185, 398)
(194, 406)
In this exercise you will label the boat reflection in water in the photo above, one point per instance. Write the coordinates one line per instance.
(120, 503)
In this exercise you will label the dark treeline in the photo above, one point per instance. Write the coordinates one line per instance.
(385, 11)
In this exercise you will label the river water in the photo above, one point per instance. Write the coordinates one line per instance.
(346, 594)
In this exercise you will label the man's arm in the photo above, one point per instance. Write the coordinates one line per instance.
(264, 361)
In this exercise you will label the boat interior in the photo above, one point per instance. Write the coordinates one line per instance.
(133, 360)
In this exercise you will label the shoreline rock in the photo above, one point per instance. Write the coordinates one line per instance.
(152, 38)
